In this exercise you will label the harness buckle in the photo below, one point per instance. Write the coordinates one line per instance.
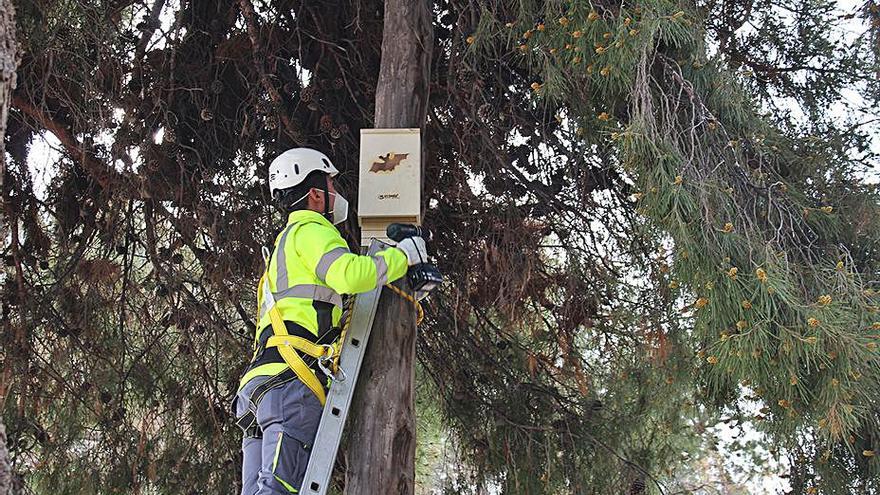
(248, 424)
(339, 375)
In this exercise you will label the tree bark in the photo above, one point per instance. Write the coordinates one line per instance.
(8, 65)
(380, 457)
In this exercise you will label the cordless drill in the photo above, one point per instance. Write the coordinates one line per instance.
(423, 277)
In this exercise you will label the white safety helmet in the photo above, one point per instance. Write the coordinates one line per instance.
(292, 167)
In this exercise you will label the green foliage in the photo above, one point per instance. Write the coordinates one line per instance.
(597, 172)
(761, 217)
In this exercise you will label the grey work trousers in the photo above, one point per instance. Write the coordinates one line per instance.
(288, 416)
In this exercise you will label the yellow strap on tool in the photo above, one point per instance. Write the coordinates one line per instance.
(420, 313)
(345, 323)
(337, 348)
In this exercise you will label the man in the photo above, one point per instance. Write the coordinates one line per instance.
(281, 394)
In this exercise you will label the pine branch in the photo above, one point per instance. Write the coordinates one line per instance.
(105, 175)
(293, 131)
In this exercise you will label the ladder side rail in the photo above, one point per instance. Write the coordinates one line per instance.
(339, 397)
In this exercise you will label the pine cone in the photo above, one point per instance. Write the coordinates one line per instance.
(307, 94)
(326, 123)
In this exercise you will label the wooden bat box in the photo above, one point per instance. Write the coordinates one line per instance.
(389, 181)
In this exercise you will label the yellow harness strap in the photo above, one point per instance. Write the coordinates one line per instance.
(288, 344)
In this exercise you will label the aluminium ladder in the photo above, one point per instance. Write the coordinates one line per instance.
(326, 444)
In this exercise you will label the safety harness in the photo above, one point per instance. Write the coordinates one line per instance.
(325, 351)
(287, 345)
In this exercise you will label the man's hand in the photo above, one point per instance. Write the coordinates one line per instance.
(415, 250)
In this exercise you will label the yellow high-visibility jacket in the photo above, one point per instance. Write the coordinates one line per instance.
(308, 271)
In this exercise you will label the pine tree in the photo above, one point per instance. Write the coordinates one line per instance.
(653, 220)
(8, 63)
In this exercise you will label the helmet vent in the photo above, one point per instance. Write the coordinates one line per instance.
(326, 163)
(296, 168)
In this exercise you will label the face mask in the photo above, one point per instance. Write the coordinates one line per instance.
(340, 209)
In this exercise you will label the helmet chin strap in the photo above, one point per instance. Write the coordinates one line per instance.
(327, 198)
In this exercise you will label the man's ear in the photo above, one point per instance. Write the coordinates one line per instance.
(316, 195)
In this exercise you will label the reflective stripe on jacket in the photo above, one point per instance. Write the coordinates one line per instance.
(311, 265)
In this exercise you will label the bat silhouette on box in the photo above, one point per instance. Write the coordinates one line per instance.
(389, 162)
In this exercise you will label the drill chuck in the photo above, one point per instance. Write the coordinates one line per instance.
(400, 231)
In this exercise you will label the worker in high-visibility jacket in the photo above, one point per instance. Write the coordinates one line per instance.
(282, 391)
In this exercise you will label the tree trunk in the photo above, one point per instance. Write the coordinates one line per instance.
(5, 464)
(380, 457)
(8, 64)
